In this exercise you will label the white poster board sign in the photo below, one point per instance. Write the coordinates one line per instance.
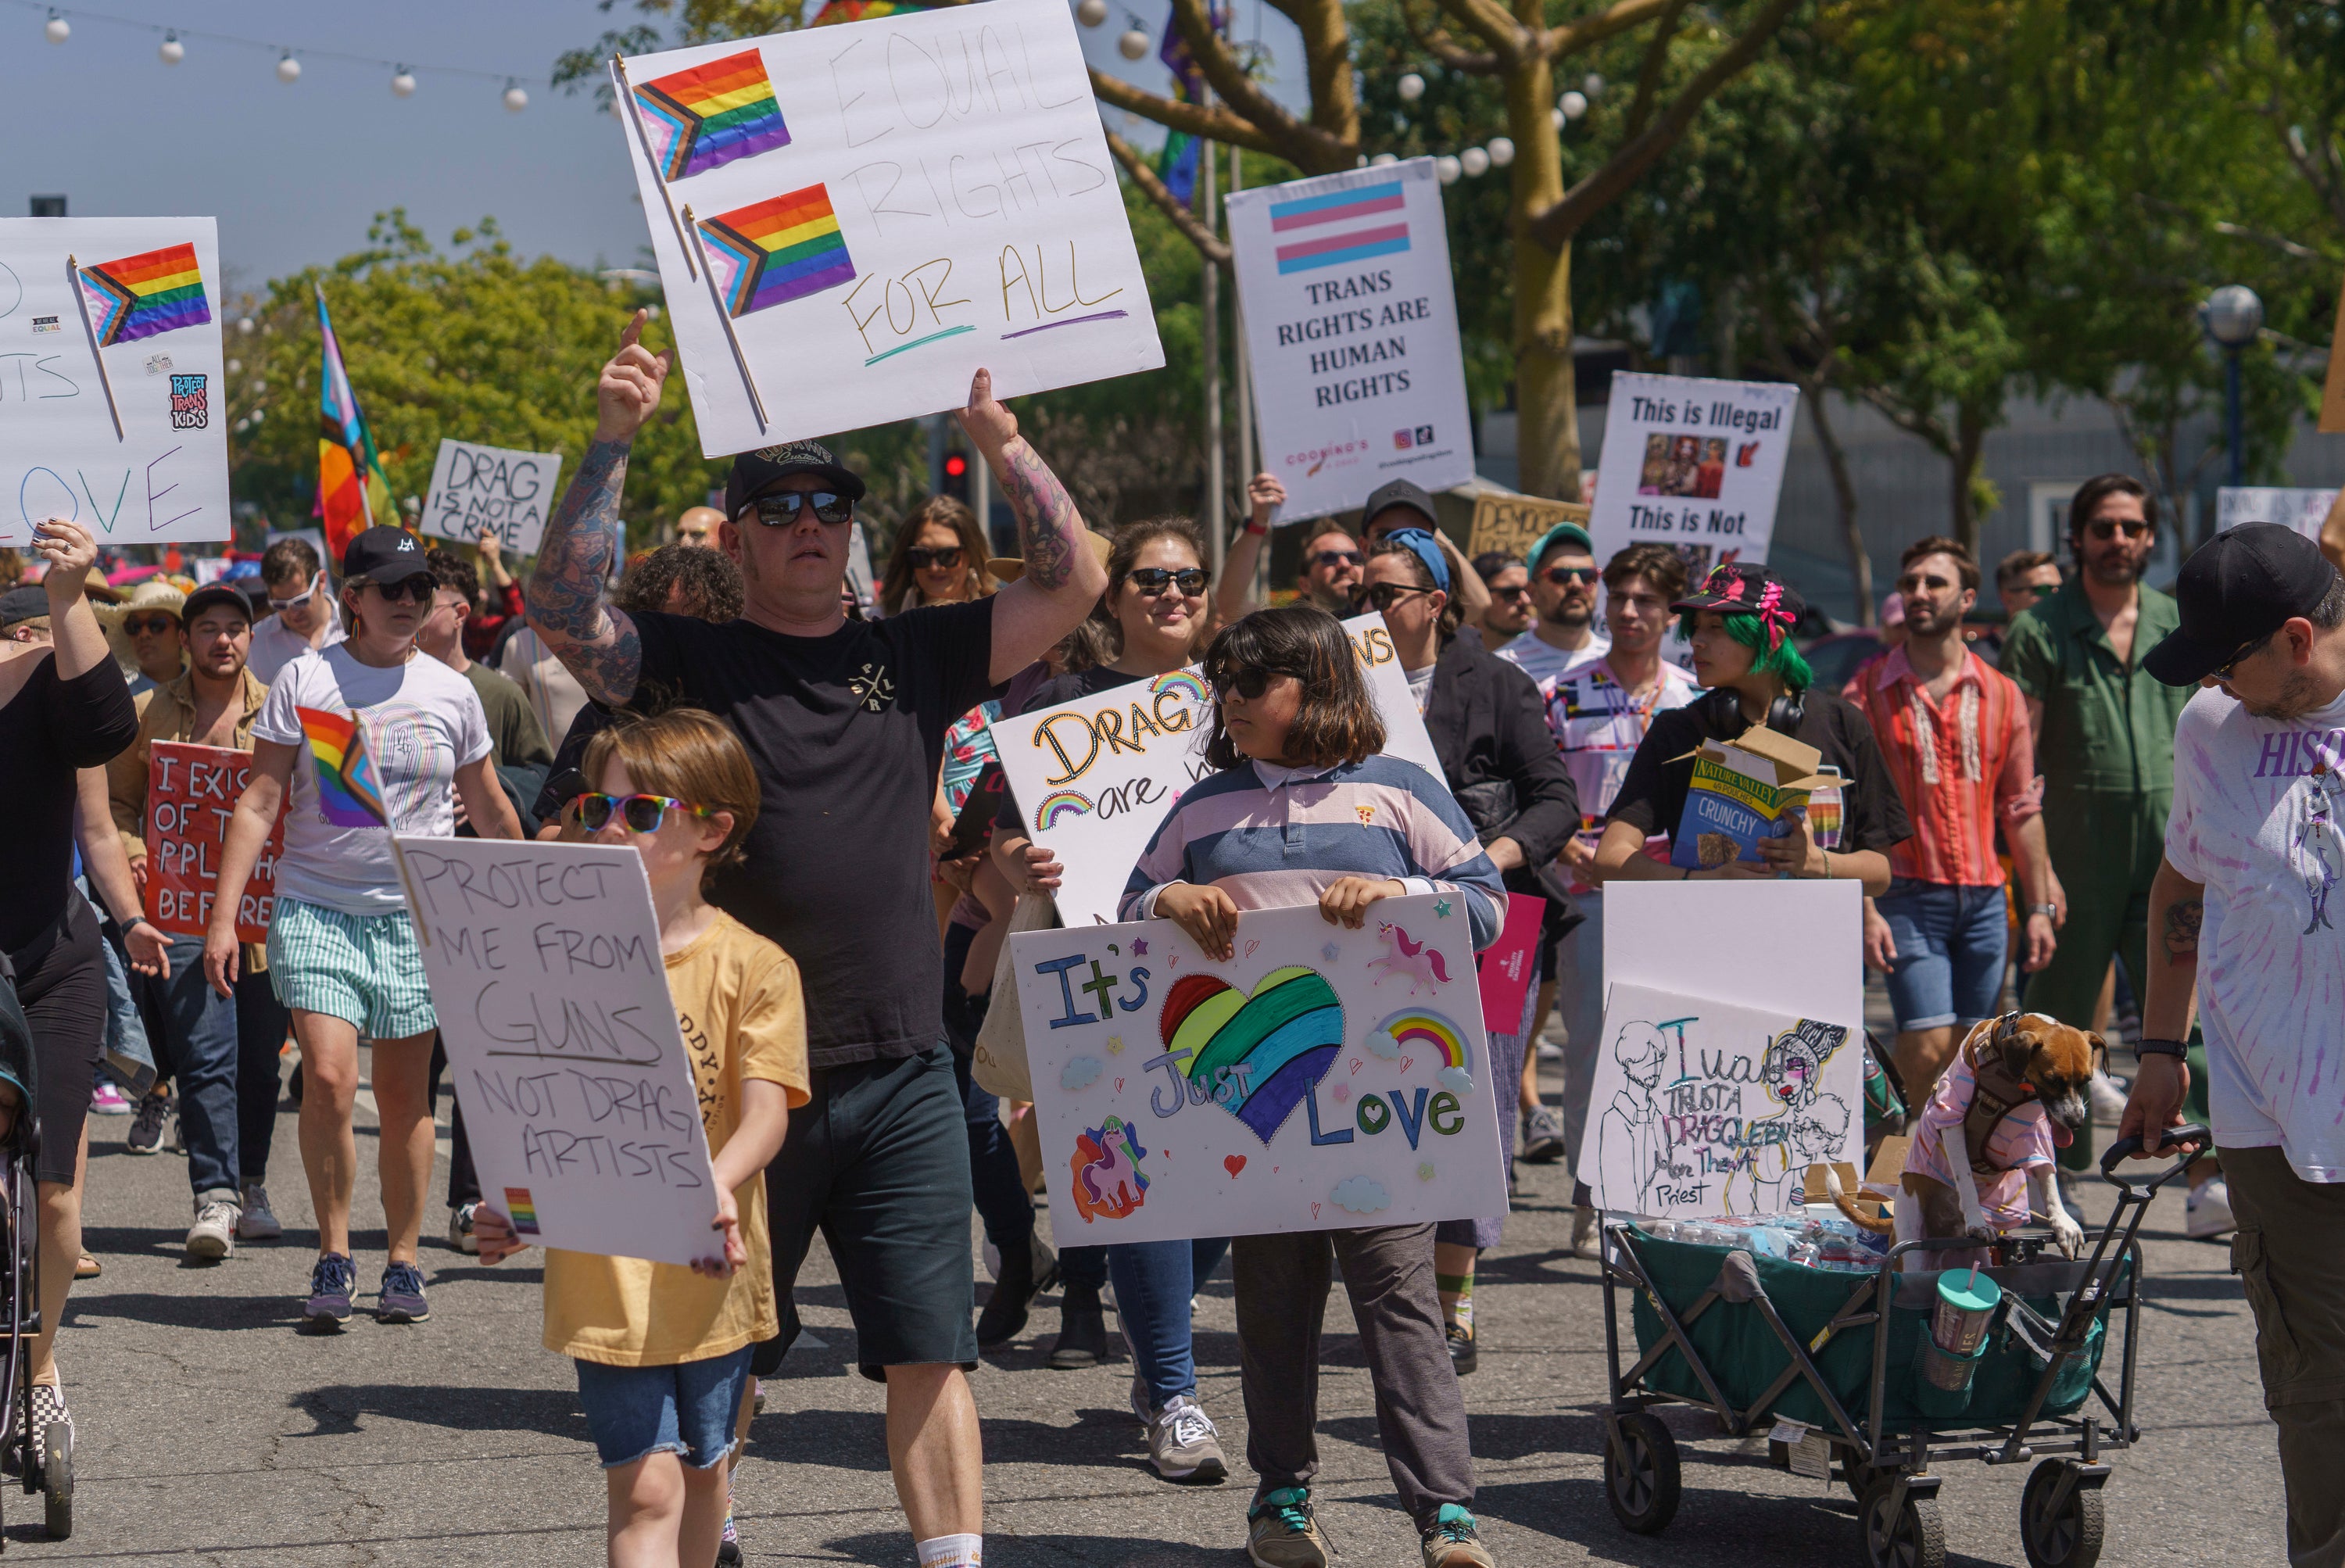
(2302, 510)
(1694, 464)
(1351, 334)
(1700, 1108)
(492, 488)
(545, 970)
(1324, 1078)
(1787, 946)
(113, 396)
(877, 210)
(1094, 777)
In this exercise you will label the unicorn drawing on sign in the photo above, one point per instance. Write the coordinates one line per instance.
(1411, 959)
(1108, 1180)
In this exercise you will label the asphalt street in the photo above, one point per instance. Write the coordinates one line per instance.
(210, 1431)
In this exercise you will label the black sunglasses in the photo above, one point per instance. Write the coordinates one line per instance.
(1570, 577)
(1337, 558)
(642, 813)
(1191, 580)
(1383, 595)
(139, 625)
(1249, 683)
(922, 557)
(781, 509)
(2245, 651)
(2106, 527)
(420, 588)
(1510, 594)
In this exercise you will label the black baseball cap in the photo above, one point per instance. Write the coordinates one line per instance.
(28, 602)
(383, 556)
(754, 473)
(1399, 492)
(1739, 587)
(2236, 589)
(212, 594)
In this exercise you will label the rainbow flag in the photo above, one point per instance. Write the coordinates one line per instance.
(1341, 227)
(353, 492)
(347, 792)
(775, 251)
(139, 296)
(705, 117)
(520, 1207)
(834, 12)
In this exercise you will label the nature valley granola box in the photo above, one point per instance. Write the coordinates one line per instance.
(1744, 790)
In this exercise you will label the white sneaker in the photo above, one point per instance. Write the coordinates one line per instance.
(1550, 1048)
(2108, 1098)
(2206, 1212)
(213, 1236)
(1183, 1444)
(460, 1229)
(258, 1222)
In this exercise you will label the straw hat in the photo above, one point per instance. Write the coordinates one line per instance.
(154, 594)
(1009, 568)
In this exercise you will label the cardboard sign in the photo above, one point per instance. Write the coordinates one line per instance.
(114, 402)
(545, 970)
(1324, 1078)
(1701, 1107)
(1351, 334)
(1095, 777)
(1512, 524)
(1509, 965)
(191, 793)
(1692, 463)
(850, 221)
(475, 488)
(2302, 510)
(1743, 791)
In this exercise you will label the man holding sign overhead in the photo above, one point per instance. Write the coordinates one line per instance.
(845, 720)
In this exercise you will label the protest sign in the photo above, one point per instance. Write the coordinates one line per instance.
(1694, 464)
(113, 401)
(191, 793)
(1787, 946)
(489, 487)
(1093, 778)
(545, 972)
(2302, 510)
(1508, 964)
(1699, 1106)
(1351, 334)
(1321, 1079)
(1512, 524)
(850, 221)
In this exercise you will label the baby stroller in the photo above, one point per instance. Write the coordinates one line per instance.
(43, 1460)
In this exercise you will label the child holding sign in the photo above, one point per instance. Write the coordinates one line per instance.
(662, 1352)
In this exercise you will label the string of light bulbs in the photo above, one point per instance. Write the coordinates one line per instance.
(1499, 151)
(59, 29)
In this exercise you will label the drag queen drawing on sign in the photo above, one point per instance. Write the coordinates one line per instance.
(1783, 1146)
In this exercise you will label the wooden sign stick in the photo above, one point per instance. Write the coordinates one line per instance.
(635, 117)
(724, 320)
(81, 304)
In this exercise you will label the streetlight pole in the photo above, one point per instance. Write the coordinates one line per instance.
(2231, 317)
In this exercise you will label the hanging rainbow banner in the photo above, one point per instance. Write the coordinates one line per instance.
(347, 792)
(774, 251)
(139, 296)
(707, 116)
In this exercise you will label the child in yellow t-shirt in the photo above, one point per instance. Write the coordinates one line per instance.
(663, 1351)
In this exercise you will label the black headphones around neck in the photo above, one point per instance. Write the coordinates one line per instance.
(1724, 710)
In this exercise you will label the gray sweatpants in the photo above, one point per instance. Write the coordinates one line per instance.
(1281, 1296)
(1580, 998)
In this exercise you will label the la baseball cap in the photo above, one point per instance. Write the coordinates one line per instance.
(2236, 588)
(383, 556)
(755, 473)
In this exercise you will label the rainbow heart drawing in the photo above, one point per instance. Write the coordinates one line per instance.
(1422, 1028)
(1061, 805)
(1256, 1056)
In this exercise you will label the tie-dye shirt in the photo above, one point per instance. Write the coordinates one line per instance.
(2258, 817)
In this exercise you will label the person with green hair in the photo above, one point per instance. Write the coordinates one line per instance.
(1740, 623)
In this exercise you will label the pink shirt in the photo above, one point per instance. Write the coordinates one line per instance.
(2021, 1139)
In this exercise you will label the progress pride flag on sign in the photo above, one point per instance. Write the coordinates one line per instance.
(191, 793)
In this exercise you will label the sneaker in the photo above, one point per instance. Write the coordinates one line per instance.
(400, 1297)
(1082, 1332)
(1025, 1272)
(146, 1134)
(728, 1546)
(331, 1284)
(460, 1229)
(1452, 1543)
(213, 1236)
(1464, 1357)
(1183, 1444)
(49, 1410)
(2108, 1099)
(2206, 1212)
(1280, 1531)
(2066, 1184)
(106, 1100)
(1542, 1136)
(259, 1221)
(1584, 1241)
(1550, 1048)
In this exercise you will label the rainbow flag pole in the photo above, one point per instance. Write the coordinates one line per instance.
(72, 284)
(636, 118)
(725, 319)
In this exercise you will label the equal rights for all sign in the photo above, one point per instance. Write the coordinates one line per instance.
(191, 793)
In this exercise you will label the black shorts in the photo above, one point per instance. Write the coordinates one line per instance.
(877, 1160)
(61, 980)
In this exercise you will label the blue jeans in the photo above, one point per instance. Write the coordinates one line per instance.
(687, 1409)
(1153, 1282)
(128, 1054)
(193, 1029)
(1951, 942)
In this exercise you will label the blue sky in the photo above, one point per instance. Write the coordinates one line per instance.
(294, 172)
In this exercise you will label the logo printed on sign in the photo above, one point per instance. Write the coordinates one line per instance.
(1424, 436)
(46, 324)
(191, 402)
(1400, 440)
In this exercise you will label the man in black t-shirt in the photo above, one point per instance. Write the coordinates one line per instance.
(845, 721)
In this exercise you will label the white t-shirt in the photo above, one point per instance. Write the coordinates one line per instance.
(2258, 817)
(1597, 727)
(275, 644)
(414, 724)
(1543, 661)
(552, 691)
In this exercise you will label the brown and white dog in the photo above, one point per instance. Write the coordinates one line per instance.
(2015, 1059)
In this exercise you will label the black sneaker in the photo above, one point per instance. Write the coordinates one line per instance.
(1025, 1276)
(331, 1284)
(1082, 1332)
(1462, 1356)
(146, 1134)
(401, 1299)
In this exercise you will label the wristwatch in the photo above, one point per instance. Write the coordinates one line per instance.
(2147, 1047)
(2049, 912)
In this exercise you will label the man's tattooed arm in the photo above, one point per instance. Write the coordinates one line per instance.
(1050, 529)
(2181, 934)
(596, 642)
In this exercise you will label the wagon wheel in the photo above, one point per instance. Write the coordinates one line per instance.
(2068, 1536)
(1642, 1474)
(1910, 1536)
(57, 1479)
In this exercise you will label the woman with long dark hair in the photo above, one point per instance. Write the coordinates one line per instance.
(939, 558)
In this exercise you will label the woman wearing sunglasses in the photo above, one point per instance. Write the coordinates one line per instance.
(1489, 729)
(938, 559)
(371, 738)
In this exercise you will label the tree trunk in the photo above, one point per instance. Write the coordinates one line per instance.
(1546, 398)
(1970, 435)
(1860, 560)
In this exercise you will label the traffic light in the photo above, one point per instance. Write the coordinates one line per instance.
(955, 476)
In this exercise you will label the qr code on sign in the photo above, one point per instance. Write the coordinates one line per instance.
(190, 403)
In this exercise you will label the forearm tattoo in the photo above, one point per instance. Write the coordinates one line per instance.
(1050, 529)
(2181, 934)
(565, 593)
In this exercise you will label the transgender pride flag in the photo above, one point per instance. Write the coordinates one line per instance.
(1341, 227)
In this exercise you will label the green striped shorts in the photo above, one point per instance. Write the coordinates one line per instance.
(363, 968)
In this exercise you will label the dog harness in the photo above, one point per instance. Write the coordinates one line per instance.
(1999, 1093)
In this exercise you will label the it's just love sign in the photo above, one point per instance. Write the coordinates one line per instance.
(1321, 1078)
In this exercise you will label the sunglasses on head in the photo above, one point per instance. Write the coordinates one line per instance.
(1570, 577)
(421, 588)
(923, 556)
(781, 509)
(1337, 558)
(642, 813)
(2106, 529)
(303, 597)
(1383, 596)
(1191, 580)
(139, 625)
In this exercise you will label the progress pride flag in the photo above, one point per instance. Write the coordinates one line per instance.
(191, 793)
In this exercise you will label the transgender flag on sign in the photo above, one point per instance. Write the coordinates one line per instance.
(1341, 227)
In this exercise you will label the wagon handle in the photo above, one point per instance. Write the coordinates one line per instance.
(2194, 1138)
